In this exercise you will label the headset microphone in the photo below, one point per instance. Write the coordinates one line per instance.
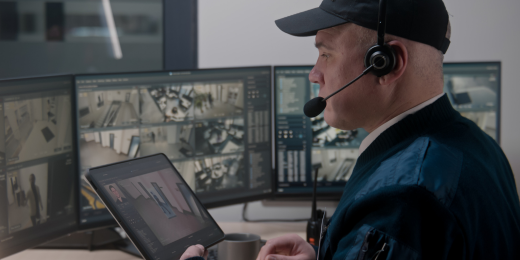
(380, 59)
(315, 106)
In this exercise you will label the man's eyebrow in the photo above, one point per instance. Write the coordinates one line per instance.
(321, 45)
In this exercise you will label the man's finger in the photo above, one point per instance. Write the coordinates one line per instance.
(196, 250)
(279, 245)
(264, 251)
(201, 249)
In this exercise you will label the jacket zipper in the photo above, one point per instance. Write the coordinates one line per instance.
(364, 247)
(382, 250)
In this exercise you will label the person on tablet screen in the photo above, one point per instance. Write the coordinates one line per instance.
(119, 199)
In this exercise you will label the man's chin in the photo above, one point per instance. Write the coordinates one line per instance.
(333, 121)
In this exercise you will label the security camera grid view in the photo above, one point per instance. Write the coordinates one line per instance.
(306, 144)
(207, 122)
(36, 160)
(474, 91)
(155, 204)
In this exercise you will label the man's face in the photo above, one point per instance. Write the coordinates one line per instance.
(114, 191)
(340, 61)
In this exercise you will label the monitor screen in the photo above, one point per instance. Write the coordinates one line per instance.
(214, 125)
(37, 162)
(305, 144)
(474, 91)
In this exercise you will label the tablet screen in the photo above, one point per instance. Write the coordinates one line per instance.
(155, 206)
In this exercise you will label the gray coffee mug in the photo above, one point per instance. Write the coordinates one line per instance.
(239, 246)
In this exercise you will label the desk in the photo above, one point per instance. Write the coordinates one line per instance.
(265, 230)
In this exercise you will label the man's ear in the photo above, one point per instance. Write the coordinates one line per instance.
(401, 61)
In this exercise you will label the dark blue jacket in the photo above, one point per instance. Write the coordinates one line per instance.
(432, 186)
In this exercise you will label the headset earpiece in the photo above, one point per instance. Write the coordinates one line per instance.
(382, 57)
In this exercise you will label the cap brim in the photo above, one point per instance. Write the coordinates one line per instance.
(308, 23)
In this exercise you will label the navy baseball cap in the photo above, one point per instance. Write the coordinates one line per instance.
(424, 21)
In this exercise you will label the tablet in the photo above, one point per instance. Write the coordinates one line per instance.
(151, 201)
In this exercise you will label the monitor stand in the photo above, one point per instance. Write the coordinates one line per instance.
(92, 240)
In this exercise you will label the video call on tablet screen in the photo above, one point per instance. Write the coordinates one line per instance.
(156, 205)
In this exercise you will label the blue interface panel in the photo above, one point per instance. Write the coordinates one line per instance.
(305, 144)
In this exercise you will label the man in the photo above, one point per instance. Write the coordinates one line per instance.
(210, 99)
(152, 135)
(428, 184)
(119, 200)
(35, 201)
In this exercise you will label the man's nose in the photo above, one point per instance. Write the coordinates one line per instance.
(315, 76)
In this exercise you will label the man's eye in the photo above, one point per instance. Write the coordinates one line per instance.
(325, 55)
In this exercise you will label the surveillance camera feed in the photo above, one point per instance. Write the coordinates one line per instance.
(474, 91)
(37, 162)
(150, 199)
(305, 144)
(214, 126)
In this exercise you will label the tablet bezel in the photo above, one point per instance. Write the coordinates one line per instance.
(117, 216)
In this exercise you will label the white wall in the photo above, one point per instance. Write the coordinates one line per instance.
(91, 137)
(243, 33)
(9, 109)
(172, 133)
(37, 109)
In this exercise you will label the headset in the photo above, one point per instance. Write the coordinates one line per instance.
(381, 56)
(379, 59)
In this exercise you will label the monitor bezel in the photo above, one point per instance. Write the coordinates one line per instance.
(111, 222)
(73, 228)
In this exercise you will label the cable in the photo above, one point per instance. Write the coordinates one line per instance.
(244, 209)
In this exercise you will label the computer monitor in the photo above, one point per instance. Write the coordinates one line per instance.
(214, 125)
(474, 90)
(305, 144)
(38, 177)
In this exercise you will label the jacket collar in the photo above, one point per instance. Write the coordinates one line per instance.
(436, 115)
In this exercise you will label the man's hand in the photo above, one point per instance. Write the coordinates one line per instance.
(192, 251)
(288, 247)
